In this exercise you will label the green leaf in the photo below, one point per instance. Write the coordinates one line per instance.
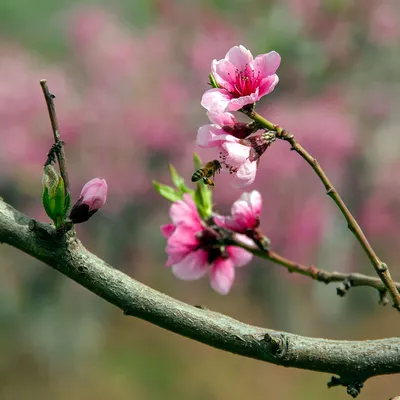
(213, 82)
(202, 195)
(197, 161)
(53, 196)
(167, 192)
(178, 181)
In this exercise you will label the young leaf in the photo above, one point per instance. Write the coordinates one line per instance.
(178, 181)
(53, 196)
(167, 191)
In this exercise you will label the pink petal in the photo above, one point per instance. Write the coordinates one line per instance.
(239, 256)
(255, 201)
(237, 154)
(192, 267)
(268, 85)
(216, 100)
(94, 193)
(167, 230)
(224, 73)
(222, 275)
(221, 119)
(226, 222)
(210, 136)
(184, 211)
(237, 104)
(247, 172)
(267, 63)
(240, 57)
(242, 214)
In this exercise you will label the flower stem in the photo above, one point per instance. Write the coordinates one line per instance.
(380, 267)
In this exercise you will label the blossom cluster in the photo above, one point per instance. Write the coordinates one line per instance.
(240, 81)
(197, 246)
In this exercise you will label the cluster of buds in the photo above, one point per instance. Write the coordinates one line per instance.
(56, 200)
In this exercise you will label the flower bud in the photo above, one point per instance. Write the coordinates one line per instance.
(92, 198)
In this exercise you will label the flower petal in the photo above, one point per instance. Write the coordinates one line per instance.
(240, 57)
(268, 85)
(237, 104)
(192, 267)
(185, 211)
(167, 230)
(247, 172)
(222, 275)
(268, 63)
(210, 136)
(226, 222)
(236, 153)
(239, 256)
(224, 73)
(221, 119)
(216, 100)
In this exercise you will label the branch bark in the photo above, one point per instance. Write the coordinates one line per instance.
(352, 361)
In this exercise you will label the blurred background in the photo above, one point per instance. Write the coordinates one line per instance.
(128, 78)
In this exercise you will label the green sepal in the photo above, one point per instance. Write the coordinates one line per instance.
(203, 194)
(53, 196)
(213, 82)
(168, 192)
(178, 181)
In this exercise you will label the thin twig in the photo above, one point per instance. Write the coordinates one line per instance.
(317, 274)
(62, 162)
(380, 267)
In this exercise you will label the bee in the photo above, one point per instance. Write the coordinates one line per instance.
(207, 172)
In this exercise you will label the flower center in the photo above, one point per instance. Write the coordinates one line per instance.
(246, 81)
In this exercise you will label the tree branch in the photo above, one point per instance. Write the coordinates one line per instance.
(62, 162)
(352, 361)
(348, 280)
(380, 267)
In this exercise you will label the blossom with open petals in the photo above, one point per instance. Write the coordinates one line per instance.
(242, 79)
(224, 134)
(245, 212)
(193, 248)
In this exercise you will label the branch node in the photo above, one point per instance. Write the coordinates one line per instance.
(343, 288)
(382, 268)
(279, 344)
(383, 297)
(353, 388)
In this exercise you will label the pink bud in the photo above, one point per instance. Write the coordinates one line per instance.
(92, 198)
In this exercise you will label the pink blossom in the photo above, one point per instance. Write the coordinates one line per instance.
(193, 249)
(242, 80)
(93, 196)
(233, 156)
(245, 211)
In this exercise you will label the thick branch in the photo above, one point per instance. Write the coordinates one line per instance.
(352, 361)
(380, 267)
(62, 162)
